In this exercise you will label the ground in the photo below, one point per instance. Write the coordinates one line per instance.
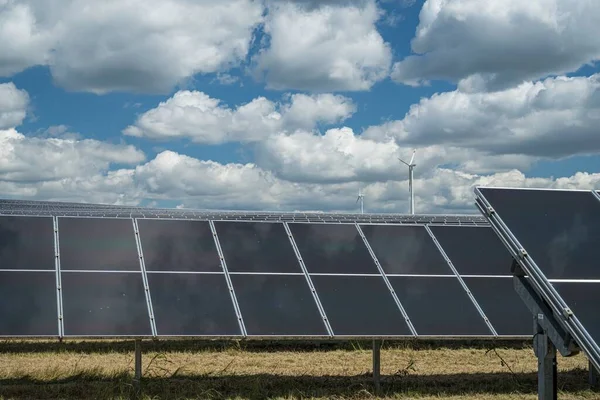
(198, 370)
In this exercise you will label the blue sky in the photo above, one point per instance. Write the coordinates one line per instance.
(285, 104)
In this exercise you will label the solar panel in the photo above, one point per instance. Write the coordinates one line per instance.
(484, 265)
(26, 243)
(464, 245)
(439, 306)
(501, 304)
(359, 306)
(187, 304)
(32, 306)
(257, 247)
(554, 235)
(97, 244)
(583, 298)
(559, 229)
(178, 246)
(405, 250)
(190, 294)
(104, 304)
(333, 249)
(278, 305)
(232, 274)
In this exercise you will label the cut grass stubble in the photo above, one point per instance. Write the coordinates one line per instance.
(478, 372)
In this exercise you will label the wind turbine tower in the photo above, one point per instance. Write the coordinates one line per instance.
(361, 198)
(411, 165)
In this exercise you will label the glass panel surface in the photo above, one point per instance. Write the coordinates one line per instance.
(502, 305)
(277, 305)
(439, 306)
(256, 247)
(474, 251)
(178, 246)
(335, 248)
(97, 244)
(405, 250)
(360, 305)
(192, 304)
(26, 243)
(559, 229)
(583, 298)
(104, 304)
(31, 306)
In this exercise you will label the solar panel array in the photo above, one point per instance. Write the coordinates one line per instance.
(555, 234)
(237, 275)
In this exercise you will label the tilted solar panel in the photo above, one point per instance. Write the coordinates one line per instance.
(483, 263)
(190, 293)
(232, 274)
(555, 236)
(27, 277)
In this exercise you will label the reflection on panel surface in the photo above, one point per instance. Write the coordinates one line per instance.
(405, 250)
(256, 247)
(26, 243)
(360, 305)
(277, 305)
(178, 246)
(584, 300)
(192, 304)
(439, 306)
(559, 229)
(97, 244)
(104, 303)
(31, 306)
(502, 305)
(333, 249)
(474, 251)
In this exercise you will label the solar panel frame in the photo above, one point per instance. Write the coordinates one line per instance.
(142, 271)
(135, 213)
(536, 276)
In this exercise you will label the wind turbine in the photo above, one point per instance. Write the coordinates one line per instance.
(411, 165)
(361, 197)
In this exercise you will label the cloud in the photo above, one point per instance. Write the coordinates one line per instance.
(553, 118)
(34, 168)
(24, 41)
(497, 44)
(142, 46)
(337, 156)
(30, 159)
(331, 47)
(13, 105)
(197, 116)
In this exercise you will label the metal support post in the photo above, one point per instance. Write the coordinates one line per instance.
(137, 378)
(377, 365)
(594, 376)
(546, 355)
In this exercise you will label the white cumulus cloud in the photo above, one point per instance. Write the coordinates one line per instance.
(136, 45)
(496, 44)
(554, 118)
(322, 48)
(203, 119)
(13, 105)
(31, 159)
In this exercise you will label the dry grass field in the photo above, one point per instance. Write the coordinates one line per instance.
(193, 370)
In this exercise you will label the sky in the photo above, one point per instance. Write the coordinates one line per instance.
(296, 105)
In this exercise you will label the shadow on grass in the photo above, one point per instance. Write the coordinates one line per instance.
(261, 386)
(174, 345)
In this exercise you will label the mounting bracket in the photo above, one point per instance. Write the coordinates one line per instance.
(549, 335)
(544, 317)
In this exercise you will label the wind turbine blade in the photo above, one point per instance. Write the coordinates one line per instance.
(413, 157)
(357, 199)
(404, 162)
